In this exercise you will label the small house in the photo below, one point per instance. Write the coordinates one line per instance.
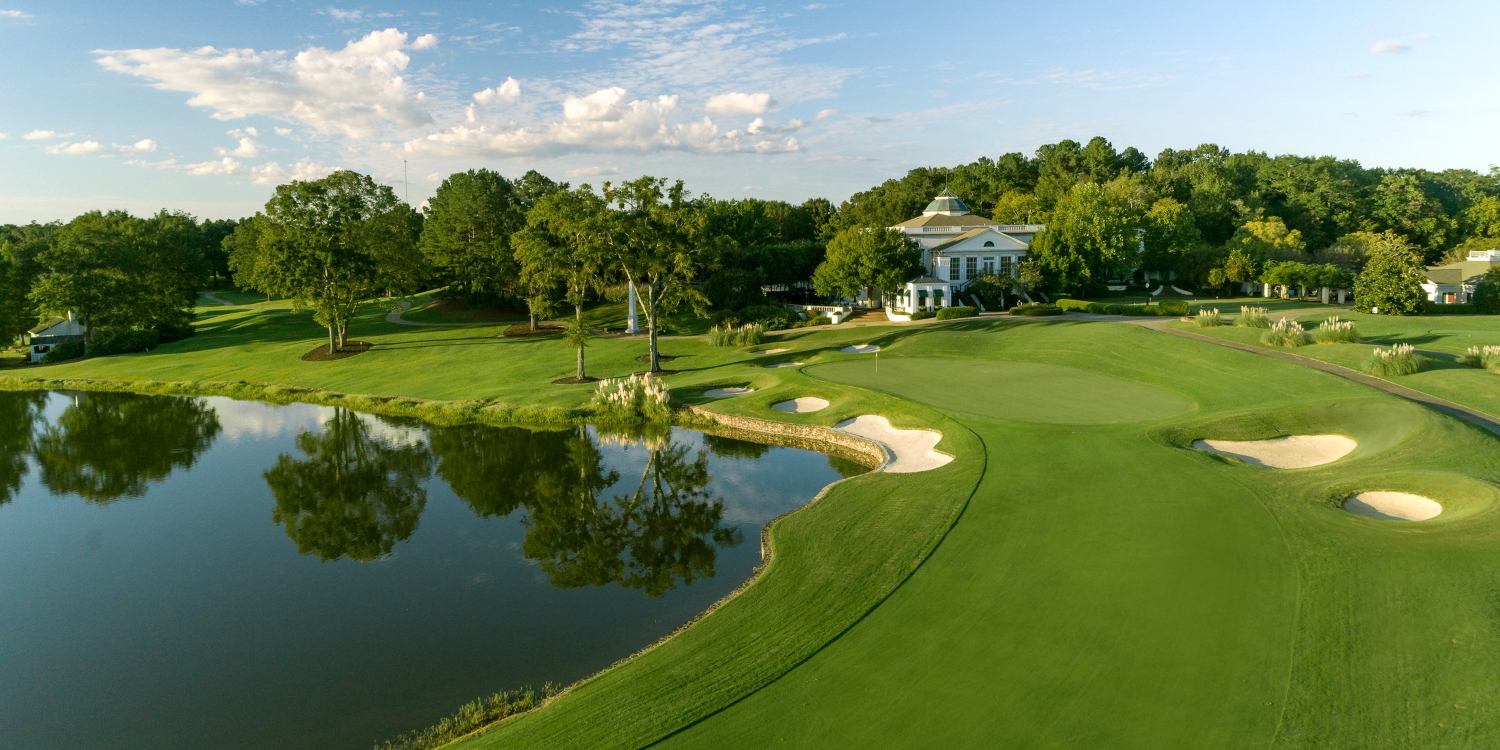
(958, 246)
(51, 333)
(1455, 282)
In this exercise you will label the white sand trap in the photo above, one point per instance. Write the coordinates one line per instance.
(1294, 452)
(912, 449)
(771, 351)
(1394, 506)
(860, 349)
(783, 364)
(802, 405)
(727, 392)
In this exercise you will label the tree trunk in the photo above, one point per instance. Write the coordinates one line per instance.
(532, 312)
(333, 344)
(578, 320)
(651, 299)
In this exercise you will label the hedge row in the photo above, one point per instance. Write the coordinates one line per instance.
(1173, 309)
(1033, 309)
(949, 313)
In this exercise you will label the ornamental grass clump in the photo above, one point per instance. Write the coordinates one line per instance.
(748, 334)
(1285, 332)
(1335, 331)
(1208, 318)
(638, 397)
(1253, 317)
(1487, 357)
(474, 715)
(1401, 359)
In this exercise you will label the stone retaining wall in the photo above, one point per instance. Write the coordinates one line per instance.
(811, 437)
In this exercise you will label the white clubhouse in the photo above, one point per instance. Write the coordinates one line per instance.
(958, 246)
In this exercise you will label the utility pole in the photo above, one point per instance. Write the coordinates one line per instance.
(406, 186)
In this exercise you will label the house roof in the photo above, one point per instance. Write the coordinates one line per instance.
(927, 280)
(47, 324)
(946, 202)
(944, 220)
(972, 233)
(1463, 271)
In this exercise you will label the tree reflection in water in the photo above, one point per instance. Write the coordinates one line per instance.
(353, 494)
(663, 534)
(19, 412)
(106, 446)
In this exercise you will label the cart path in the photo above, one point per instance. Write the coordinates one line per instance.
(1472, 416)
(216, 298)
(404, 305)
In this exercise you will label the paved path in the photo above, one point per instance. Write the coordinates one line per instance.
(396, 318)
(216, 298)
(1462, 412)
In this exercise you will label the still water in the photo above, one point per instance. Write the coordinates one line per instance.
(203, 572)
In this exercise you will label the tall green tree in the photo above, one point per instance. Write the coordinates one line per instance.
(655, 243)
(245, 259)
(867, 257)
(1171, 235)
(466, 239)
(566, 244)
(333, 244)
(1486, 298)
(1091, 235)
(1392, 279)
(20, 248)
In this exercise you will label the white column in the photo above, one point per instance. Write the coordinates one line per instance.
(1323, 293)
(631, 323)
(1265, 290)
(1341, 296)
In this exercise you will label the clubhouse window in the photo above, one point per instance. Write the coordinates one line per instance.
(971, 267)
(953, 269)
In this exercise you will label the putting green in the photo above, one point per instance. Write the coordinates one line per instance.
(1016, 391)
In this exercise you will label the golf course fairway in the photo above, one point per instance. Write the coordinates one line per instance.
(1107, 585)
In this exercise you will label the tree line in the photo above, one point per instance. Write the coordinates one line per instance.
(1205, 216)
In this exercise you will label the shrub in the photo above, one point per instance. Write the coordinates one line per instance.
(735, 288)
(1161, 309)
(923, 315)
(721, 336)
(1487, 357)
(638, 397)
(1285, 332)
(166, 333)
(107, 341)
(1209, 318)
(817, 320)
(1034, 309)
(64, 352)
(1401, 359)
(1252, 317)
(772, 316)
(949, 313)
(1335, 331)
(1439, 308)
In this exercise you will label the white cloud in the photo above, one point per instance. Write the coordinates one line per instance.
(435, 177)
(1422, 37)
(358, 90)
(3, 136)
(1388, 47)
(759, 126)
(822, 113)
(242, 132)
(14, 14)
(592, 171)
(248, 148)
(44, 135)
(351, 16)
(505, 93)
(737, 104)
(270, 173)
(283, 132)
(425, 41)
(81, 147)
(602, 122)
(1414, 113)
(139, 147)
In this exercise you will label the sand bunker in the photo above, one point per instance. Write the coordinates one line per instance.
(771, 351)
(912, 449)
(783, 364)
(801, 405)
(860, 349)
(727, 392)
(1294, 452)
(1394, 506)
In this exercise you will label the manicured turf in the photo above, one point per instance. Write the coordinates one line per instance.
(1078, 581)
(1020, 391)
(1442, 376)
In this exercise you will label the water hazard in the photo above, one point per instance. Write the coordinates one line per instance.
(203, 572)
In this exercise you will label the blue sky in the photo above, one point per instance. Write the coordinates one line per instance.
(205, 105)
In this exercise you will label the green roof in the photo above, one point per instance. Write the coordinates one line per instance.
(47, 324)
(946, 202)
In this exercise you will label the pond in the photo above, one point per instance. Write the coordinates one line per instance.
(204, 572)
